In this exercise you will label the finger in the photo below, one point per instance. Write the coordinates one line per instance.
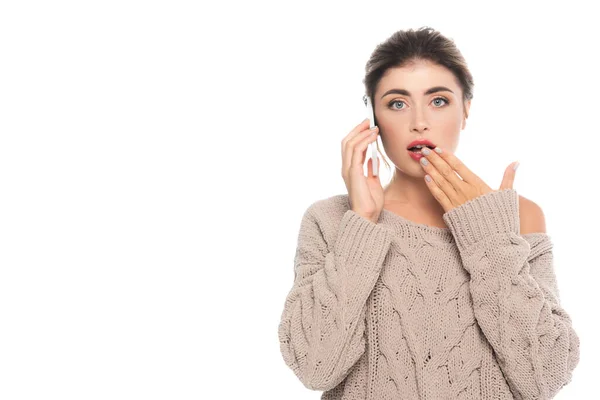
(365, 124)
(346, 139)
(441, 181)
(445, 171)
(358, 150)
(347, 149)
(509, 176)
(351, 144)
(457, 165)
(438, 193)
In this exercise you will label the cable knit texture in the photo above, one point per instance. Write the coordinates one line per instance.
(402, 310)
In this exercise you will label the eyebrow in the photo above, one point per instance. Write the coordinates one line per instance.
(434, 89)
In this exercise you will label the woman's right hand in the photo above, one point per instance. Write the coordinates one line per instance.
(365, 192)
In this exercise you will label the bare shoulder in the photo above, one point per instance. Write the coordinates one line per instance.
(531, 216)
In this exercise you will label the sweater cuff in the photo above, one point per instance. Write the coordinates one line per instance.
(486, 215)
(362, 242)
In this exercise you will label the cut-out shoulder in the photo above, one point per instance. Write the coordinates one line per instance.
(531, 217)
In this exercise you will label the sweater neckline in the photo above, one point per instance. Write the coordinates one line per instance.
(405, 226)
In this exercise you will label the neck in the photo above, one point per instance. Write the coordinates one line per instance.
(411, 192)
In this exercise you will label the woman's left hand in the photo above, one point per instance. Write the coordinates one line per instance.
(448, 188)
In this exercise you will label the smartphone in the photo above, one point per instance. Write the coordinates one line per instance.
(372, 145)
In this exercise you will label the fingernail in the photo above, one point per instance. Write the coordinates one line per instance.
(424, 161)
(425, 151)
(516, 165)
(438, 150)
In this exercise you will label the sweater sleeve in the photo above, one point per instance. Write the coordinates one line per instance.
(322, 328)
(515, 296)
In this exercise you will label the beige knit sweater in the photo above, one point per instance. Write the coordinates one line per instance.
(401, 310)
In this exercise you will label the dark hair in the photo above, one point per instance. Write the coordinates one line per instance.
(406, 47)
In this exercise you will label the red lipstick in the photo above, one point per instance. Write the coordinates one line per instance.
(423, 142)
(416, 154)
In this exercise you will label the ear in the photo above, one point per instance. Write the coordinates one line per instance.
(467, 107)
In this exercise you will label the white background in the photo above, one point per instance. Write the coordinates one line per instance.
(156, 159)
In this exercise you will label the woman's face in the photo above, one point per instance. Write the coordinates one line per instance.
(409, 113)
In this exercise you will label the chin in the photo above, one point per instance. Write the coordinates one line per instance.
(412, 169)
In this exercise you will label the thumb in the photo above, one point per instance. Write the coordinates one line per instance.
(509, 176)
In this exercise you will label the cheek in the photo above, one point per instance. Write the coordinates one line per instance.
(390, 141)
(452, 143)
(445, 120)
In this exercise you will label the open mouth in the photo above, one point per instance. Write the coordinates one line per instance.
(417, 149)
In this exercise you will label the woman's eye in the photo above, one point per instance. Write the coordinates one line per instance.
(442, 99)
(396, 101)
(437, 105)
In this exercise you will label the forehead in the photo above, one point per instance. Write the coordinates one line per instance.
(417, 77)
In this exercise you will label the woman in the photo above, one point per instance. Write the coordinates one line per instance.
(438, 286)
